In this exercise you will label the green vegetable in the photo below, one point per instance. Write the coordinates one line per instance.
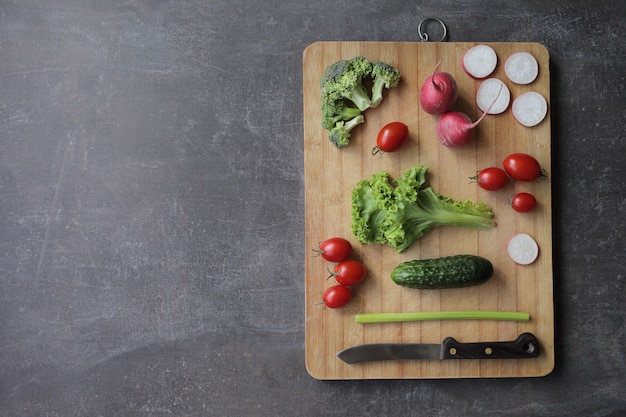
(385, 76)
(345, 97)
(400, 214)
(340, 134)
(344, 80)
(336, 111)
(448, 272)
(440, 315)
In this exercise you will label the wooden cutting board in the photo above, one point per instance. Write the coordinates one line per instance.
(331, 173)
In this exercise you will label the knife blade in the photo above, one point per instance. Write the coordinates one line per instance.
(525, 346)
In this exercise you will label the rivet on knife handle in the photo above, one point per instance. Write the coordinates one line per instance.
(525, 346)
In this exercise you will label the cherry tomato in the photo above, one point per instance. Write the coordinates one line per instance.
(337, 296)
(391, 137)
(523, 202)
(349, 273)
(491, 178)
(522, 167)
(335, 249)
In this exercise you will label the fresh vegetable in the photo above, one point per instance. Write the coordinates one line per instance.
(521, 68)
(438, 93)
(486, 93)
(345, 97)
(349, 273)
(455, 129)
(492, 178)
(335, 249)
(365, 318)
(523, 202)
(400, 213)
(522, 167)
(385, 76)
(448, 272)
(343, 79)
(336, 111)
(523, 249)
(341, 133)
(337, 296)
(529, 108)
(391, 137)
(480, 61)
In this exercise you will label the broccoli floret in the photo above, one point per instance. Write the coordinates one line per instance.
(340, 134)
(361, 65)
(385, 76)
(344, 80)
(342, 89)
(335, 112)
(401, 213)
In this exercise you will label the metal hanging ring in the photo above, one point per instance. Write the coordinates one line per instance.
(422, 33)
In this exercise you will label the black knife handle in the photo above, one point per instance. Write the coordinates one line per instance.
(525, 346)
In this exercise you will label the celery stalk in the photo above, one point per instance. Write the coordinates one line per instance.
(440, 315)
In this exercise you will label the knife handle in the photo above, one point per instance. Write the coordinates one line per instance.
(525, 346)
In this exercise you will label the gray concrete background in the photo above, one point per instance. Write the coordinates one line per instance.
(151, 207)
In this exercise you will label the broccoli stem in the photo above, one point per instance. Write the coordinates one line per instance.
(359, 96)
(440, 315)
(377, 92)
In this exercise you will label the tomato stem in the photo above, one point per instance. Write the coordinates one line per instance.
(332, 274)
(377, 150)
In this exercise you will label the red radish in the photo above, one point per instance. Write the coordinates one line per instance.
(521, 68)
(438, 93)
(486, 92)
(530, 108)
(480, 61)
(455, 129)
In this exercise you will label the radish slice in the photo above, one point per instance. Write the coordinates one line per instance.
(530, 108)
(480, 61)
(487, 93)
(521, 68)
(523, 249)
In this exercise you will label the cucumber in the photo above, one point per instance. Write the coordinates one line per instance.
(448, 272)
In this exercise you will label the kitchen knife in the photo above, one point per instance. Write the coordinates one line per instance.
(525, 346)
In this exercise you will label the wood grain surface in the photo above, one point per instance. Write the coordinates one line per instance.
(331, 173)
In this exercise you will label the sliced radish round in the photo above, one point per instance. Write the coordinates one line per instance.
(521, 68)
(480, 61)
(530, 108)
(487, 93)
(523, 249)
